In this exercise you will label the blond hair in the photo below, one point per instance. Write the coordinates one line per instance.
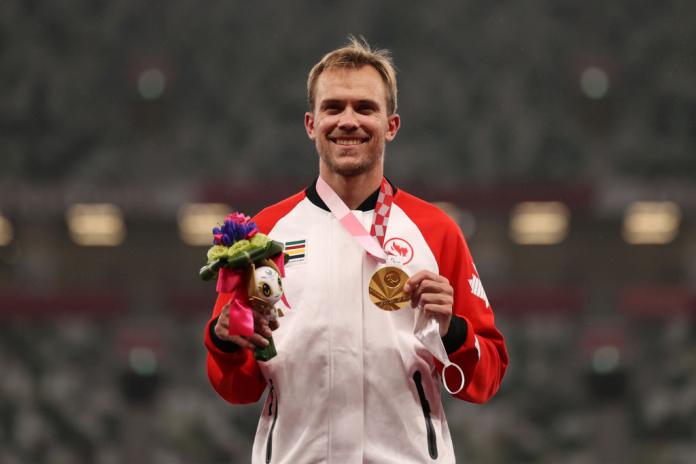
(354, 55)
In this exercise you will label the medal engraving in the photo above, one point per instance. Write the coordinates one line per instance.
(386, 289)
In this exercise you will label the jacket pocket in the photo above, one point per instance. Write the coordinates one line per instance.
(272, 411)
(425, 406)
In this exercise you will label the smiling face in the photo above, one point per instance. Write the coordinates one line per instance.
(349, 123)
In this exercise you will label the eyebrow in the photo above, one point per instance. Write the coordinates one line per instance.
(330, 102)
(370, 103)
(336, 101)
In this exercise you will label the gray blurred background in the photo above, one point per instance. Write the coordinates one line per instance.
(150, 106)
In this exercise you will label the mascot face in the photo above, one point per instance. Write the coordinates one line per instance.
(269, 288)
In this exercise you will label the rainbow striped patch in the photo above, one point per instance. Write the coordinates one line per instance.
(296, 251)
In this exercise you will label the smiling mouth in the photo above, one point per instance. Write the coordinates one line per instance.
(348, 141)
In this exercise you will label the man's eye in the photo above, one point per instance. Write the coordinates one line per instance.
(365, 109)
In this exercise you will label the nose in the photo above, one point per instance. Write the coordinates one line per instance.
(348, 120)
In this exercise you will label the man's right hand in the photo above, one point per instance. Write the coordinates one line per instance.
(261, 330)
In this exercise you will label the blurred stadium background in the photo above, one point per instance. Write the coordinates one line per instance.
(561, 135)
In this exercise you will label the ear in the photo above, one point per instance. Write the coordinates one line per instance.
(393, 124)
(309, 125)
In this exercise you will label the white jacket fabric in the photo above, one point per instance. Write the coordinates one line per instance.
(351, 383)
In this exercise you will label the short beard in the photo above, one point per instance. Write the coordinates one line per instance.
(348, 171)
(351, 170)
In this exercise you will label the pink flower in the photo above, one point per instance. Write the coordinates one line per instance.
(237, 226)
(238, 218)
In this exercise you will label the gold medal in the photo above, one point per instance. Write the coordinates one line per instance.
(386, 289)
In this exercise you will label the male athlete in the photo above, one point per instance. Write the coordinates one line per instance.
(352, 382)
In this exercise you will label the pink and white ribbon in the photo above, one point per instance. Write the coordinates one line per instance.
(348, 220)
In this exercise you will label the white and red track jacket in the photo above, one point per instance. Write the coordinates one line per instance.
(351, 383)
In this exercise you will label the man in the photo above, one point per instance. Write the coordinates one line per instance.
(351, 382)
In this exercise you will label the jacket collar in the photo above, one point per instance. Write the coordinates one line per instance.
(367, 205)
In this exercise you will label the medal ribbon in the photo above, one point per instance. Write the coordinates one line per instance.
(371, 242)
(382, 211)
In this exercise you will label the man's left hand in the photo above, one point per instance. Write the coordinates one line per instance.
(433, 293)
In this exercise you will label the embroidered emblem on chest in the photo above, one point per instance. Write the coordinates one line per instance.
(399, 247)
(296, 251)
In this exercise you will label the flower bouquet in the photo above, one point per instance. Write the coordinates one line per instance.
(249, 267)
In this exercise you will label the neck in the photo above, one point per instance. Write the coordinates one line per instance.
(352, 190)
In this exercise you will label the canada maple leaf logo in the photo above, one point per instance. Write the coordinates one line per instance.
(396, 246)
(401, 251)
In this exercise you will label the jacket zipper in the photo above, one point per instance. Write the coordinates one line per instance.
(432, 442)
(274, 412)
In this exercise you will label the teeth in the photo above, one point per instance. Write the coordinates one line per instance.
(348, 141)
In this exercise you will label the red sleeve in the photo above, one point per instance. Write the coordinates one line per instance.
(236, 376)
(483, 356)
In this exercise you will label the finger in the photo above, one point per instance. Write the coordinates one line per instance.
(429, 287)
(415, 280)
(225, 313)
(258, 317)
(241, 341)
(432, 299)
(226, 308)
(220, 328)
(223, 319)
(436, 299)
(263, 328)
(223, 334)
(261, 325)
(258, 340)
(437, 309)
